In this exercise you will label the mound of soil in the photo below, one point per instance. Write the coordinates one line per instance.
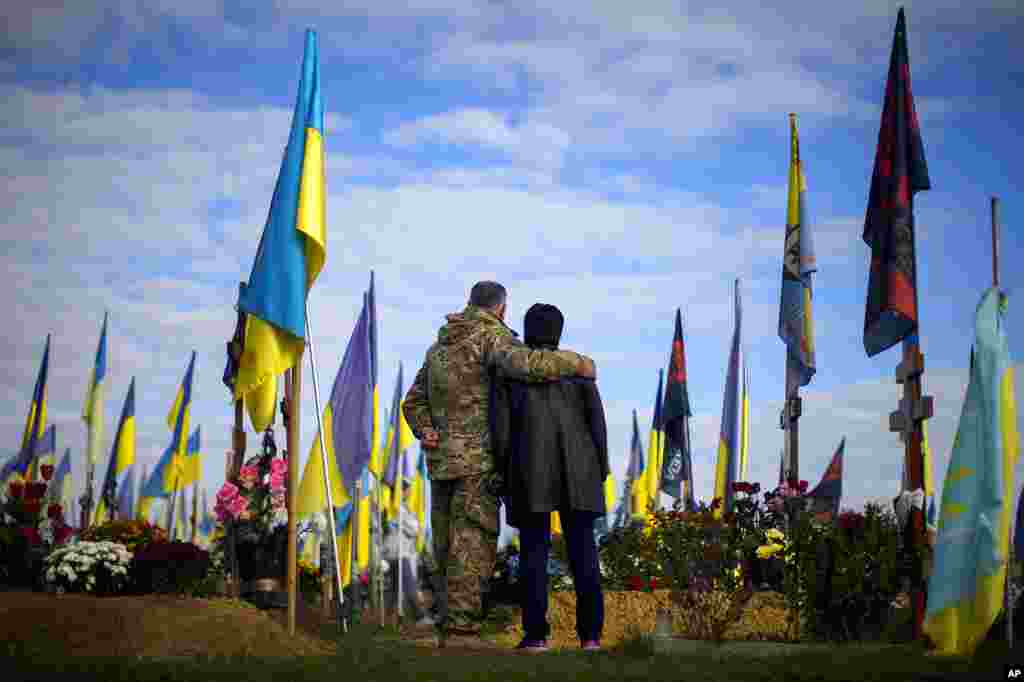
(628, 614)
(156, 626)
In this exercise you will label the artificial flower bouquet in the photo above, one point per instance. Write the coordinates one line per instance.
(29, 528)
(83, 566)
(255, 499)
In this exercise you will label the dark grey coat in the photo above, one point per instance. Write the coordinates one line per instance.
(552, 442)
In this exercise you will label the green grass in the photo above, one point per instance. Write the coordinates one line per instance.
(368, 654)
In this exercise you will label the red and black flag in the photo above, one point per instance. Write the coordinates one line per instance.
(677, 468)
(826, 495)
(900, 171)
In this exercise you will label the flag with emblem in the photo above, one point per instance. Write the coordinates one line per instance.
(900, 172)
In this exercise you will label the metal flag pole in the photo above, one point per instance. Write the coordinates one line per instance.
(342, 625)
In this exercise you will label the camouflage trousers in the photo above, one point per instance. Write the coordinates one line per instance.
(464, 515)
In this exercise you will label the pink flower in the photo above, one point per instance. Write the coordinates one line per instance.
(227, 492)
(279, 466)
(249, 476)
(278, 501)
(238, 506)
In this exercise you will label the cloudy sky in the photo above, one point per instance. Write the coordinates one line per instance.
(618, 160)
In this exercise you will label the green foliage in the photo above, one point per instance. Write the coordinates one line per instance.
(841, 576)
(624, 554)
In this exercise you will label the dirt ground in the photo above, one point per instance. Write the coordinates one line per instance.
(169, 626)
(154, 626)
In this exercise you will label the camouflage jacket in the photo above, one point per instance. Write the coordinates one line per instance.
(451, 392)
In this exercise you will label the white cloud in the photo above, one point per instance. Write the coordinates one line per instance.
(531, 143)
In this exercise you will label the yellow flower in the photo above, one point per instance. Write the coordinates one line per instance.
(765, 551)
(775, 534)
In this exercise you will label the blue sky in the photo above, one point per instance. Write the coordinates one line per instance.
(618, 161)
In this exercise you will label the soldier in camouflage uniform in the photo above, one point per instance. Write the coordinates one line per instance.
(448, 409)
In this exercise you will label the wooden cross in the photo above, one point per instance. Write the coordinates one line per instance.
(905, 419)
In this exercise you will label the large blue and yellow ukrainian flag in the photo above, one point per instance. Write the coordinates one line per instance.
(796, 324)
(290, 256)
(728, 438)
(965, 589)
(35, 424)
(92, 411)
(347, 421)
(122, 457)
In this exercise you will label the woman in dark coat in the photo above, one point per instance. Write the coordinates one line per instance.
(552, 442)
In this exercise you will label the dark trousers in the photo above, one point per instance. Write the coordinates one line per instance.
(535, 545)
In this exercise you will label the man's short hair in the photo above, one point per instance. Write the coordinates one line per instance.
(487, 295)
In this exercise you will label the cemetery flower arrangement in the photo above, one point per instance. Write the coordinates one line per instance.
(702, 551)
(83, 566)
(255, 499)
(841, 575)
(134, 534)
(629, 551)
(27, 519)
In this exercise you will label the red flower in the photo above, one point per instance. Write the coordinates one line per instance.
(47, 471)
(54, 511)
(716, 503)
(654, 583)
(17, 489)
(61, 533)
(739, 487)
(31, 534)
(802, 487)
(851, 521)
(32, 506)
(35, 491)
(636, 583)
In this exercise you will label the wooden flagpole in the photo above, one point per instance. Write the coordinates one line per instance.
(294, 385)
(914, 408)
(237, 454)
(789, 421)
